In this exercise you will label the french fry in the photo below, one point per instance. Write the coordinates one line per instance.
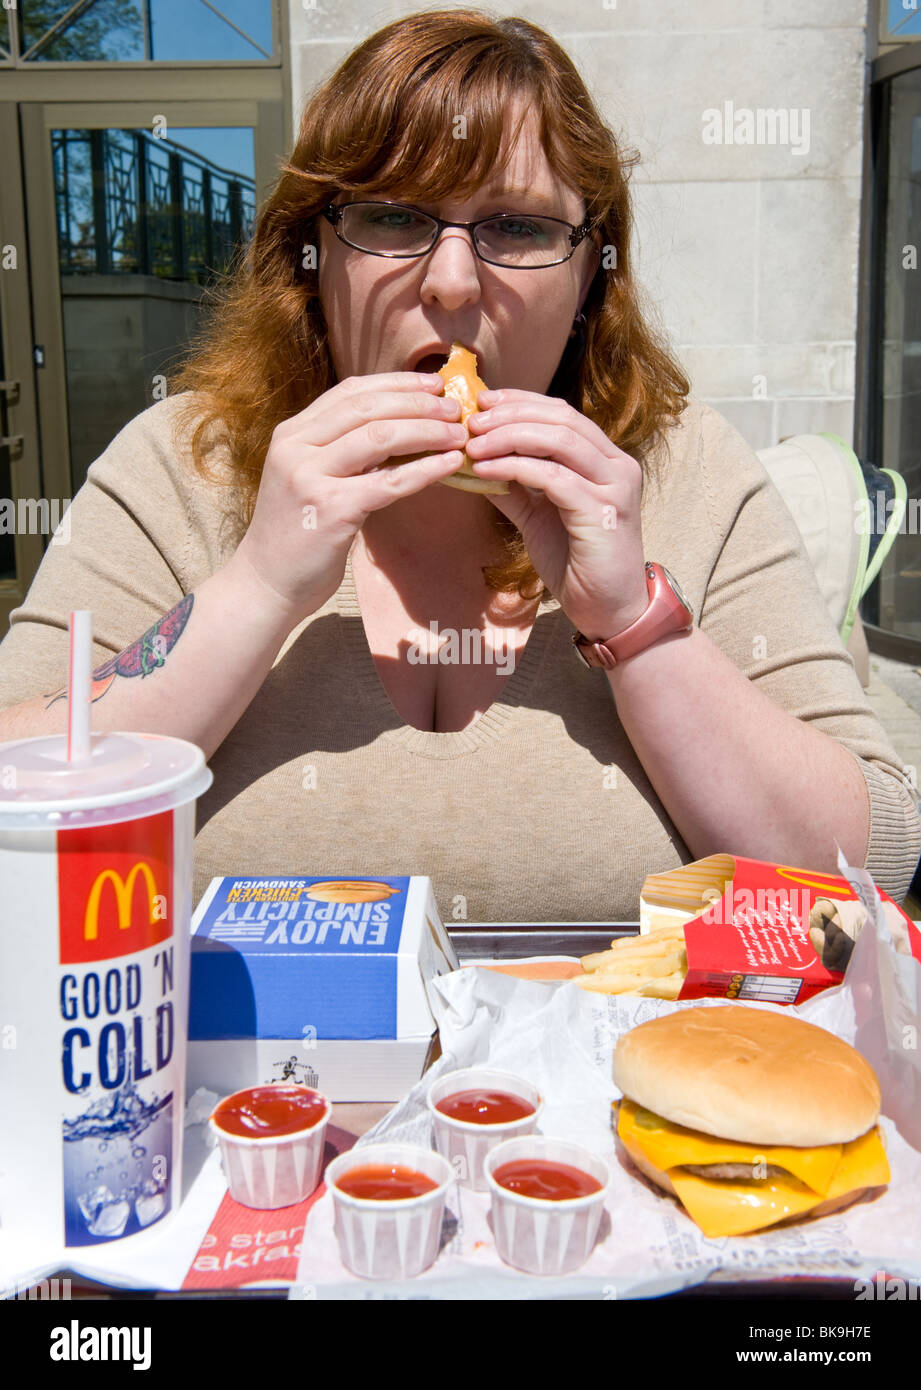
(655, 944)
(618, 983)
(670, 933)
(654, 965)
(616, 959)
(601, 984)
(647, 968)
(666, 987)
(595, 961)
(655, 948)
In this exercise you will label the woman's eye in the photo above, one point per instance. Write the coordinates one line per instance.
(517, 228)
(395, 217)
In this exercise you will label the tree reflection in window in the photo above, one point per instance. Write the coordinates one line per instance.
(58, 31)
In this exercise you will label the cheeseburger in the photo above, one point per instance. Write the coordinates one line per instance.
(749, 1117)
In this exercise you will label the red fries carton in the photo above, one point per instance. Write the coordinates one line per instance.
(755, 930)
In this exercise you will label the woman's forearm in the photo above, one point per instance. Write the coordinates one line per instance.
(735, 772)
(191, 675)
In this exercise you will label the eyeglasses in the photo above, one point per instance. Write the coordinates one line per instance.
(517, 241)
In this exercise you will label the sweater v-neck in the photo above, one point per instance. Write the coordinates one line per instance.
(489, 726)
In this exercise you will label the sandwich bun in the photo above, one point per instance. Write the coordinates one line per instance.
(749, 1074)
(462, 382)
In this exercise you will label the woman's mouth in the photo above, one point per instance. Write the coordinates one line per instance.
(431, 362)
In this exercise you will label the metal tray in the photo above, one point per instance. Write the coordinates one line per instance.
(516, 940)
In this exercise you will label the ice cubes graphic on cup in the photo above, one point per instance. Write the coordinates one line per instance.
(104, 1214)
(116, 1162)
(150, 1201)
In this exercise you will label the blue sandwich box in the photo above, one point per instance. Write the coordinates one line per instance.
(320, 980)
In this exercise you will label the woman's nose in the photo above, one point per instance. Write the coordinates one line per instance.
(452, 272)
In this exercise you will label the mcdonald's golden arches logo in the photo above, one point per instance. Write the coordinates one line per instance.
(114, 888)
(124, 895)
(826, 883)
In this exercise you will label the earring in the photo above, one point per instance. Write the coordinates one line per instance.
(578, 326)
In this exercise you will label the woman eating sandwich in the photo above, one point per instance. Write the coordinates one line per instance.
(381, 668)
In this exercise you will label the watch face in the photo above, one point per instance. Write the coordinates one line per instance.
(682, 596)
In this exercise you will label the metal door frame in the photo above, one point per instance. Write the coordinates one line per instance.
(16, 326)
(905, 58)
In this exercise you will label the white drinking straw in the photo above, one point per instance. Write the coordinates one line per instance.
(79, 678)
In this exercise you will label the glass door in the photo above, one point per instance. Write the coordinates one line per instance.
(894, 388)
(27, 516)
(136, 219)
(144, 222)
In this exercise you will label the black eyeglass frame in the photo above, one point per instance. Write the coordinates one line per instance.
(333, 213)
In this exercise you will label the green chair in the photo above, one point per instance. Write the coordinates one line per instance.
(848, 514)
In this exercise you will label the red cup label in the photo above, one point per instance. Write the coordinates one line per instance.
(114, 883)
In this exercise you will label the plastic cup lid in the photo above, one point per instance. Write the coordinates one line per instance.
(126, 776)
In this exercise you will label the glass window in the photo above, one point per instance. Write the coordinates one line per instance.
(897, 442)
(110, 30)
(903, 21)
(57, 31)
(192, 29)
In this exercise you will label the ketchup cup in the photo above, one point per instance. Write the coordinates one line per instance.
(465, 1143)
(536, 1234)
(395, 1238)
(271, 1160)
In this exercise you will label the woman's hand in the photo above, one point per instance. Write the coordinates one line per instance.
(325, 473)
(575, 498)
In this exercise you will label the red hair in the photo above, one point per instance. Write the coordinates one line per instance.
(377, 126)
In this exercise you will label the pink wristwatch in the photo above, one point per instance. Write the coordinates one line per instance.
(669, 611)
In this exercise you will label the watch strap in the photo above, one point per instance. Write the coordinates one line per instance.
(667, 613)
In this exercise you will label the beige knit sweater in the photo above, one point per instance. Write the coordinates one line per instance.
(540, 811)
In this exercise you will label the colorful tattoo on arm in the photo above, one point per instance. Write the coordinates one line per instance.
(145, 655)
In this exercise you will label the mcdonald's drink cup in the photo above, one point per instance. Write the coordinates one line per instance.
(95, 910)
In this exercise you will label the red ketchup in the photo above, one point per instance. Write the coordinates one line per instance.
(484, 1107)
(385, 1182)
(551, 1182)
(267, 1112)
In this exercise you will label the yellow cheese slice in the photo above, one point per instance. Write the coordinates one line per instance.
(724, 1208)
(667, 1145)
(863, 1164)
